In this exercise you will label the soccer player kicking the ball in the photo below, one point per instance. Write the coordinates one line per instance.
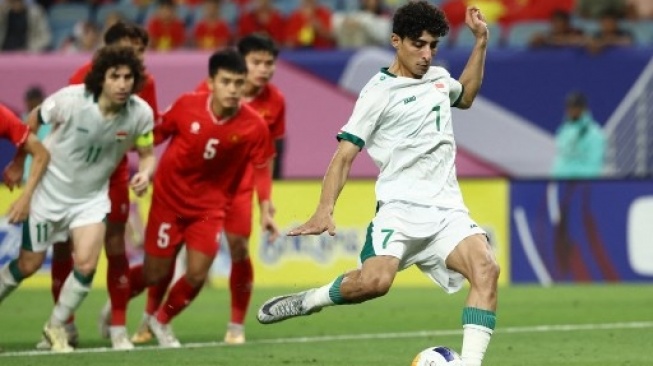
(260, 54)
(94, 125)
(214, 141)
(403, 116)
(113, 318)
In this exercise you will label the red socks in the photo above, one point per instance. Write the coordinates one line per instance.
(180, 296)
(240, 284)
(118, 285)
(136, 280)
(155, 294)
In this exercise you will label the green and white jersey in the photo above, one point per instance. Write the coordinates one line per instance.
(405, 124)
(85, 147)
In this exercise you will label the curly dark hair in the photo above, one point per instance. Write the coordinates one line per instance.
(415, 17)
(113, 56)
(124, 29)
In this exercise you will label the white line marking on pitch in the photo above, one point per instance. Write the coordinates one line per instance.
(364, 336)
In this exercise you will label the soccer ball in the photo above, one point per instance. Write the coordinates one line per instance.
(437, 356)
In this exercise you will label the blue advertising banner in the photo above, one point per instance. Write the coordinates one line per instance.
(581, 231)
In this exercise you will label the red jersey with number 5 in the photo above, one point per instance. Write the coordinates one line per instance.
(207, 157)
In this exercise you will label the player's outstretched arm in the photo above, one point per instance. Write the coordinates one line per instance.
(13, 173)
(146, 165)
(334, 180)
(40, 157)
(472, 75)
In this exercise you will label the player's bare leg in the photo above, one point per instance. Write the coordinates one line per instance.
(181, 294)
(474, 259)
(373, 280)
(113, 316)
(240, 285)
(87, 245)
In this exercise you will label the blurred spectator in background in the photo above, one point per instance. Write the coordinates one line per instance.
(85, 38)
(309, 26)
(368, 26)
(211, 31)
(23, 26)
(263, 19)
(111, 19)
(455, 10)
(534, 10)
(561, 33)
(32, 98)
(580, 142)
(166, 30)
(594, 9)
(609, 34)
(639, 9)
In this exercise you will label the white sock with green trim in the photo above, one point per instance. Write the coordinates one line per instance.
(478, 325)
(73, 292)
(10, 278)
(325, 296)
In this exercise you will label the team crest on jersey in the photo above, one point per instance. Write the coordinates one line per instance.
(234, 139)
(195, 127)
(441, 87)
(121, 135)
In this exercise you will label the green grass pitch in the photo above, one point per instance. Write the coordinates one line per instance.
(579, 325)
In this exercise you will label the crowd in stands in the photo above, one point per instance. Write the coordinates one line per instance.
(76, 26)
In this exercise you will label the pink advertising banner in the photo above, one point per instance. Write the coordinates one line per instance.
(315, 109)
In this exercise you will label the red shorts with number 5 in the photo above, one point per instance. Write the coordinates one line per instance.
(166, 231)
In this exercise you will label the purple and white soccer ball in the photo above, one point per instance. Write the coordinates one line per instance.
(438, 356)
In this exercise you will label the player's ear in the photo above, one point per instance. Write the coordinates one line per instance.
(395, 40)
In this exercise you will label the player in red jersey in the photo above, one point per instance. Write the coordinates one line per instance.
(214, 141)
(26, 143)
(113, 318)
(260, 54)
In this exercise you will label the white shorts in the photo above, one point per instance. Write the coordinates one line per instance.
(44, 228)
(420, 235)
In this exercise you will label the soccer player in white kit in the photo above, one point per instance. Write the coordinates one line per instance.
(403, 117)
(94, 125)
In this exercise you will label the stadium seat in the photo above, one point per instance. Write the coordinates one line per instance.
(520, 34)
(464, 38)
(65, 16)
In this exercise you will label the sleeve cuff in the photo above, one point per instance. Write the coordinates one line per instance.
(351, 138)
(460, 97)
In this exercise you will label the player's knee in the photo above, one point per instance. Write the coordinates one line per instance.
(28, 267)
(238, 247)
(153, 276)
(377, 286)
(196, 279)
(85, 268)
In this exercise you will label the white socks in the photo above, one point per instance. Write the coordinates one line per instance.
(7, 282)
(73, 293)
(318, 297)
(475, 341)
